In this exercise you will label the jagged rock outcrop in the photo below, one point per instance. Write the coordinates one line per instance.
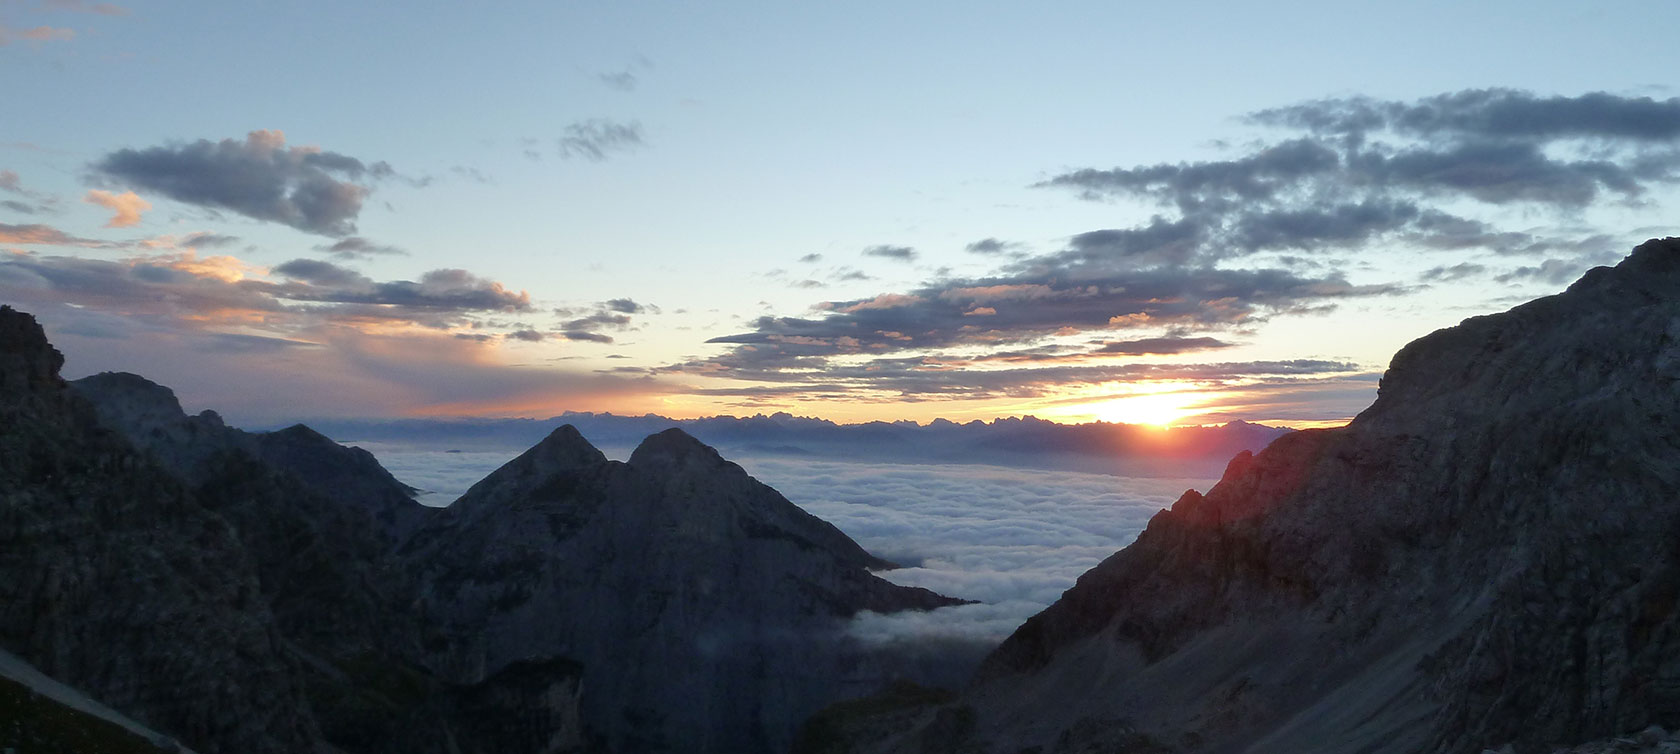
(116, 581)
(703, 607)
(1489, 556)
(198, 447)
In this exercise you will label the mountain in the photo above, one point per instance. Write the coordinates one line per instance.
(278, 592)
(704, 608)
(115, 580)
(1488, 556)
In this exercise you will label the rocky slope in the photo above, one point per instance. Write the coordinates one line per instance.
(704, 608)
(1487, 557)
(116, 581)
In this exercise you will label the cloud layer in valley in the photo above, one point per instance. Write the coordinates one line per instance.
(1012, 539)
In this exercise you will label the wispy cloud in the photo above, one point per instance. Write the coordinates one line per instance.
(623, 81)
(82, 6)
(356, 247)
(597, 139)
(35, 34)
(899, 253)
(588, 324)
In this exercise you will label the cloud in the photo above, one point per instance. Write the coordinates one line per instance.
(81, 6)
(260, 177)
(38, 202)
(1167, 345)
(46, 235)
(586, 323)
(597, 139)
(1354, 172)
(185, 291)
(900, 253)
(991, 246)
(35, 34)
(811, 258)
(356, 247)
(1443, 274)
(1227, 244)
(1505, 114)
(127, 206)
(529, 336)
(1549, 272)
(1047, 297)
(205, 240)
(623, 81)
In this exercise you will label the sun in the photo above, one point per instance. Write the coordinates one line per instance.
(1156, 409)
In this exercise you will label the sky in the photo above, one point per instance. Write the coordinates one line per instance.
(860, 211)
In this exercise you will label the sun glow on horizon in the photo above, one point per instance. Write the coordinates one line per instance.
(1158, 405)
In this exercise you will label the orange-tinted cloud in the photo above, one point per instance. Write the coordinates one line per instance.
(36, 34)
(128, 206)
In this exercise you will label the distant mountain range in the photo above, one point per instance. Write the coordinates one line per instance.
(1028, 442)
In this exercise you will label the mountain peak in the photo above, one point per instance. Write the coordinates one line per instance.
(562, 452)
(566, 447)
(133, 392)
(672, 447)
(27, 360)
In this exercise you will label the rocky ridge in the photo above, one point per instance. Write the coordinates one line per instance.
(1488, 557)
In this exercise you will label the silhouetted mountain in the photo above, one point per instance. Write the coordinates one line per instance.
(276, 592)
(702, 606)
(1488, 556)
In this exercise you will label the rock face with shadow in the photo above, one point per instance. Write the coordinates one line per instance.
(1487, 557)
(705, 610)
(116, 580)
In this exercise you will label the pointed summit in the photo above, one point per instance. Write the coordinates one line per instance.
(674, 447)
(562, 452)
(565, 447)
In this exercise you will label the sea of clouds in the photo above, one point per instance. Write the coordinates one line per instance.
(1011, 539)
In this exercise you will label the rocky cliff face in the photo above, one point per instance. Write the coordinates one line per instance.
(703, 607)
(118, 582)
(1489, 556)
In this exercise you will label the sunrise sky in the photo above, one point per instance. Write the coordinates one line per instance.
(1124, 212)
